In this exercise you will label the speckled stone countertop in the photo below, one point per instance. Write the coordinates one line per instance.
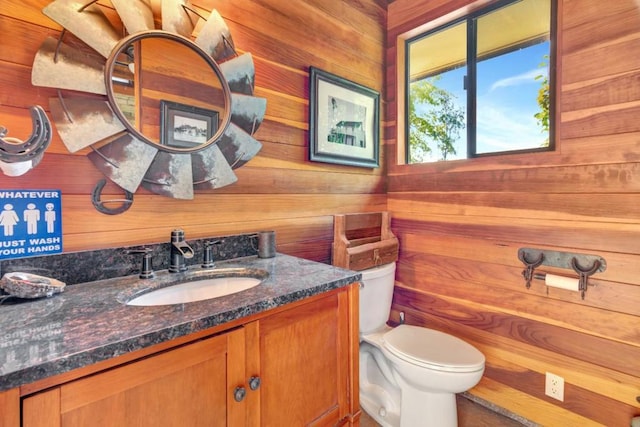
(88, 323)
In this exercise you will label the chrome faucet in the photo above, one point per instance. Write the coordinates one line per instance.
(179, 251)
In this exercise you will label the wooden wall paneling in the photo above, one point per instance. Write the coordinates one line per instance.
(605, 121)
(282, 133)
(599, 178)
(282, 181)
(534, 303)
(28, 11)
(613, 57)
(618, 207)
(616, 89)
(452, 240)
(461, 223)
(27, 39)
(590, 237)
(455, 318)
(279, 188)
(14, 77)
(10, 408)
(450, 275)
(214, 209)
(347, 54)
(581, 31)
(205, 216)
(545, 413)
(622, 147)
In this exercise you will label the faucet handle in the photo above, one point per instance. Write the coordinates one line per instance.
(146, 270)
(207, 259)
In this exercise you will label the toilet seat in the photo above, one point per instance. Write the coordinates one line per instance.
(432, 349)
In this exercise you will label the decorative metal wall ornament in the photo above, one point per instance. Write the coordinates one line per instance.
(17, 157)
(122, 152)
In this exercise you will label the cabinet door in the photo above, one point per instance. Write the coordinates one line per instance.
(304, 364)
(189, 386)
(10, 408)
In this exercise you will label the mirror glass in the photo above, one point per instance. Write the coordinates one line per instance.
(167, 91)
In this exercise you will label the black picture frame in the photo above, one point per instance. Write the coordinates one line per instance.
(186, 126)
(344, 121)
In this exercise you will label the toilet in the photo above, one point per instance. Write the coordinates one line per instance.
(409, 375)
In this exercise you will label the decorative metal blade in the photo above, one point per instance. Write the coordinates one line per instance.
(69, 68)
(136, 15)
(215, 38)
(88, 23)
(247, 111)
(170, 175)
(237, 146)
(175, 18)
(82, 122)
(124, 161)
(210, 169)
(240, 74)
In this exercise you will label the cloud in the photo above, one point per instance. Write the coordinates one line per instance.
(524, 78)
(500, 129)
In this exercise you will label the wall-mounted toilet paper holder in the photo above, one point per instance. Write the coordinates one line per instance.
(533, 258)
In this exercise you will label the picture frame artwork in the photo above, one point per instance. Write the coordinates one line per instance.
(344, 121)
(186, 126)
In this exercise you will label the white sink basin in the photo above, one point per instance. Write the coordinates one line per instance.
(197, 290)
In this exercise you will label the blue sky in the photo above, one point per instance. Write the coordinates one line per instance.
(506, 100)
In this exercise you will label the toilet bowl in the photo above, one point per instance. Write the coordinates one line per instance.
(409, 375)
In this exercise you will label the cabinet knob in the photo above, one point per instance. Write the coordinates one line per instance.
(239, 393)
(254, 383)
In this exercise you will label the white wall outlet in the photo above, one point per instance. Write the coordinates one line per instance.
(554, 386)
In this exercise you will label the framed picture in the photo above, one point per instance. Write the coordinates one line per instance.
(344, 121)
(184, 126)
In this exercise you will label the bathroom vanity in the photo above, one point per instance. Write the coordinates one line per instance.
(281, 353)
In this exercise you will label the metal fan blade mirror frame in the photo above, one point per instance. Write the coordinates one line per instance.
(119, 150)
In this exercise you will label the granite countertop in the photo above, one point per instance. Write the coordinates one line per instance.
(88, 322)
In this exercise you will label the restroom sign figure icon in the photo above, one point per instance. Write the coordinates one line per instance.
(30, 223)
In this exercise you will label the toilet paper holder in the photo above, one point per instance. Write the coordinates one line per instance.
(533, 258)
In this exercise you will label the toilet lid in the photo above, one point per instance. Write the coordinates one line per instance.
(433, 349)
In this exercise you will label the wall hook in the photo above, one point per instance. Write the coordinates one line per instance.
(584, 273)
(99, 204)
(18, 157)
(530, 266)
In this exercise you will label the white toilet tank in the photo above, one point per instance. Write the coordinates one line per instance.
(376, 294)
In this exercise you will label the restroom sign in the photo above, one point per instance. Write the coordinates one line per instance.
(30, 223)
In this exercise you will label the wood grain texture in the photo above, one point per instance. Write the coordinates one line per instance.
(460, 225)
(279, 188)
(10, 408)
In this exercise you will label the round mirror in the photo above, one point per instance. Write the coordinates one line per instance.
(167, 91)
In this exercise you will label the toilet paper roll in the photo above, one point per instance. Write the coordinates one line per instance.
(570, 283)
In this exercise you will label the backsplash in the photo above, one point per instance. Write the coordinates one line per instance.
(88, 266)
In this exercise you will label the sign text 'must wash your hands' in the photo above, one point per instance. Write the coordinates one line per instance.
(30, 223)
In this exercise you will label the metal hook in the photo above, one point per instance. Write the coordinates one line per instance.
(13, 150)
(584, 273)
(99, 204)
(531, 266)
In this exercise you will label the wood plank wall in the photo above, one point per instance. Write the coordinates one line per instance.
(460, 225)
(279, 189)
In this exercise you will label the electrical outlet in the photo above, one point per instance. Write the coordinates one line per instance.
(554, 386)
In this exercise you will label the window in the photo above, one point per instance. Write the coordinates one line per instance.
(481, 85)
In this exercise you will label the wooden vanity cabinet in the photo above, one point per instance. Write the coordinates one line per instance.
(292, 366)
(304, 359)
(188, 386)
